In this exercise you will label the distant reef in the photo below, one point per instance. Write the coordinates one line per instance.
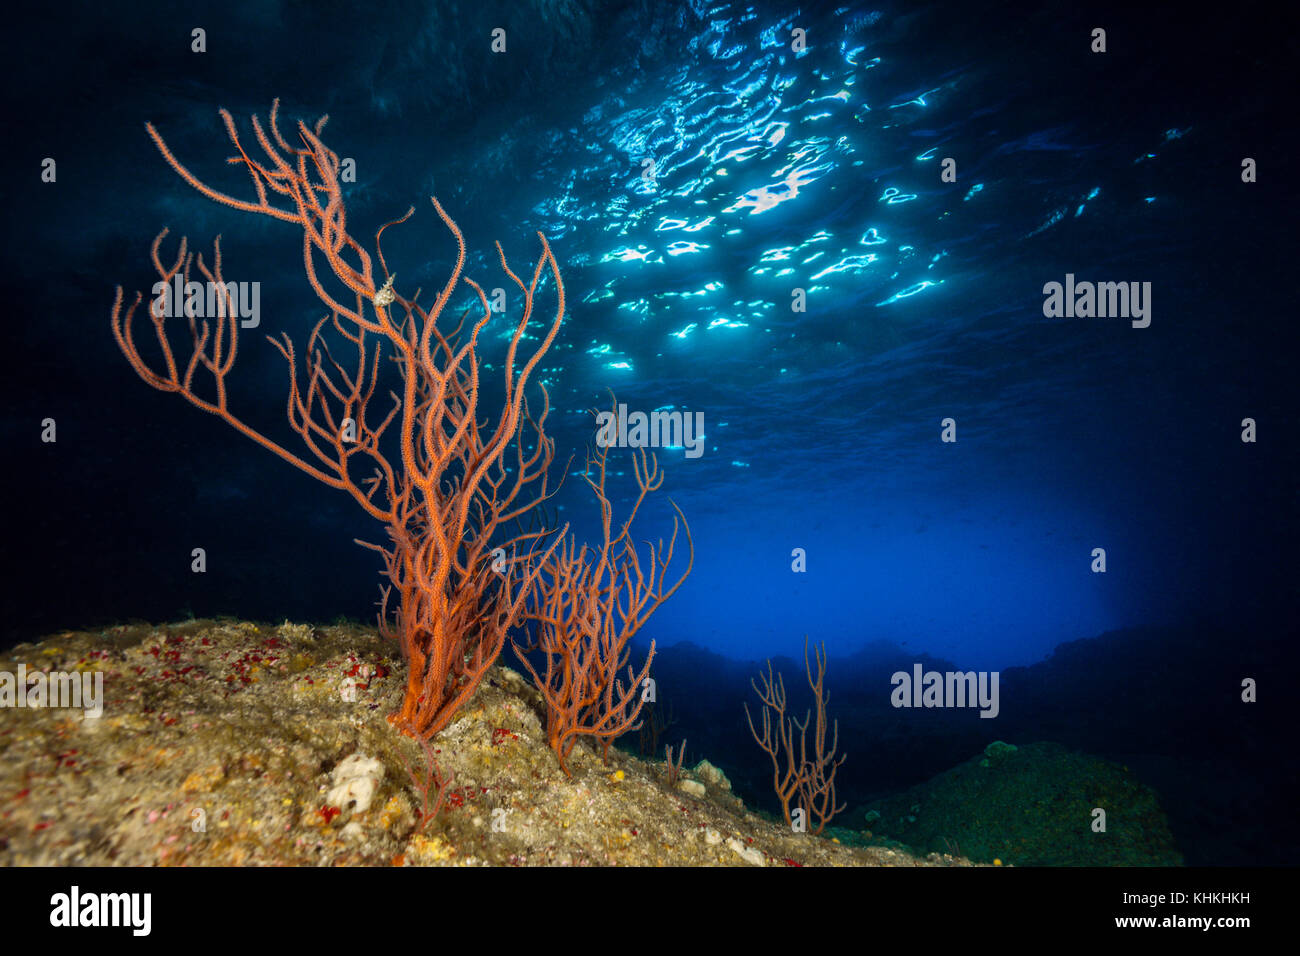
(1033, 805)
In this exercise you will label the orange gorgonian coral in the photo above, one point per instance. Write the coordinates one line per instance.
(444, 480)
(587, 604)
(806, 778)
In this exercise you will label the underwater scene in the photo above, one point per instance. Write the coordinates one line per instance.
(651, 434)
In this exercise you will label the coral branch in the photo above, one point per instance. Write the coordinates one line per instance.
(673, 771)
(588, 603)
(434, 783)
(456, 483)
(796, 772)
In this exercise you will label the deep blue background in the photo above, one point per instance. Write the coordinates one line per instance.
(775, 171)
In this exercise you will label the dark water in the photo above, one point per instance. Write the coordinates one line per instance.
(773, 171)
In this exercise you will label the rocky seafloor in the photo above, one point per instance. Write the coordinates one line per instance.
(1038, 804)
(232, 743)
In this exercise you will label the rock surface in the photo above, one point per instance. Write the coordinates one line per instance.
(1032, 805)
(232, 743)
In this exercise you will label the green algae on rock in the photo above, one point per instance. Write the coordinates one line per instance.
(1032, 805)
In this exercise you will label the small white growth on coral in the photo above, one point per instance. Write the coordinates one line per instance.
(458, 728)
(692, 787)
(355, 780)
(751, 854)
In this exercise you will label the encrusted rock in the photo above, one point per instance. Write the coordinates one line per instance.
(751, 855)
(692, 787)
(711, 775)
(355, 780)
(213, 733)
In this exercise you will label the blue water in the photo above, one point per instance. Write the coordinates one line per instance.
(771, 171)
(819, 171)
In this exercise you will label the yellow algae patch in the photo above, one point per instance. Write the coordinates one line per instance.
(205, 779)
(394, 810)
(431, 848)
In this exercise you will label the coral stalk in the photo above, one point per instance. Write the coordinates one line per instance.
(444, 483)
(795, 771)
(587, 605)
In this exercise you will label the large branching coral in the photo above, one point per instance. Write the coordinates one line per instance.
(448, 478)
